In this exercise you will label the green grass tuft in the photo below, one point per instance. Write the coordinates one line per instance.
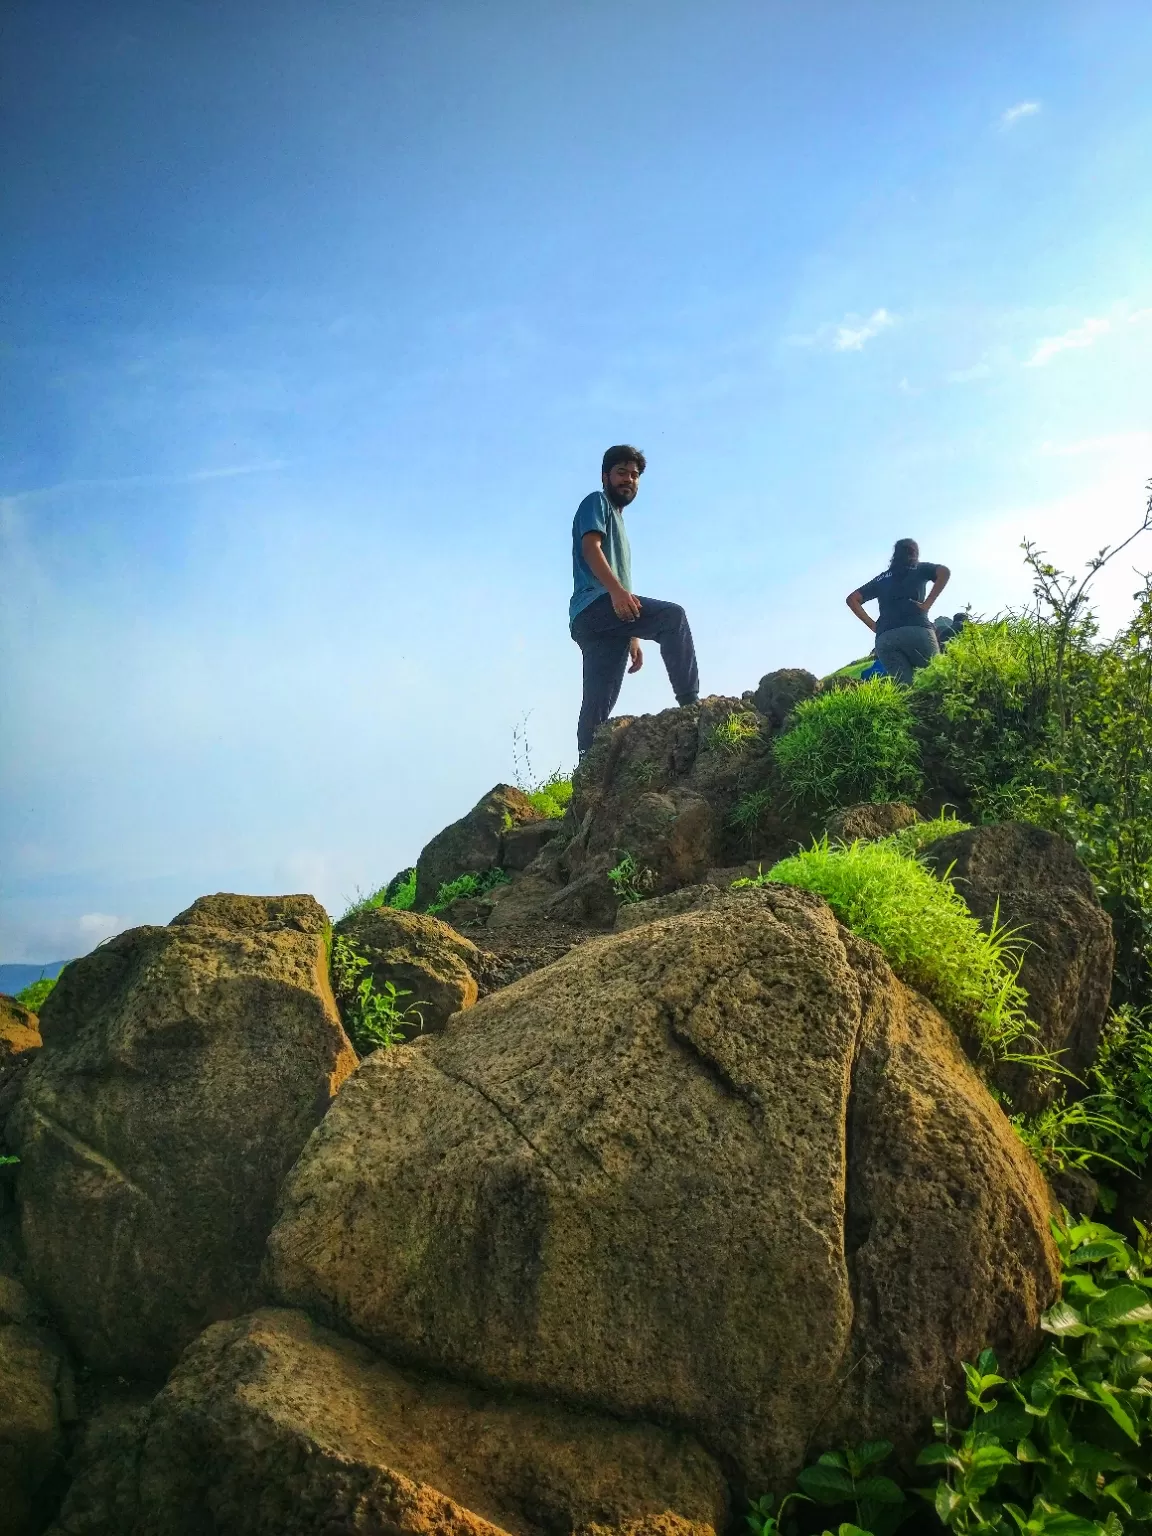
(910, 840)
(32, 996)
(551, 797)
(921, 923)
(851, 745)
(732, 734)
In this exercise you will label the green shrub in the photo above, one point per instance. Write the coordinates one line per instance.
(372, 1015)
(33, 995)
(551, 797)
(851, 745)
(465, 885)
(1060, 1450)
(732, 734)
(924, 928)
(1111, 1127)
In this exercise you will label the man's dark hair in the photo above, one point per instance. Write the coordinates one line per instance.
(623, 453)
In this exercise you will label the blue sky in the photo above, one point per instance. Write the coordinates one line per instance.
(318, 316)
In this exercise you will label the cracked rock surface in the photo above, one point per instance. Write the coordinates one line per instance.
(272, 1426)
(182, 1070)
(721, 1171)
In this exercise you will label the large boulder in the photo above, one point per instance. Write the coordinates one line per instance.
(37, 1402)
(271, 1426)
(1042, 891)
(471, 845)
(419, 955)
(722, 1171)
(183, 1069)
(19, 1040)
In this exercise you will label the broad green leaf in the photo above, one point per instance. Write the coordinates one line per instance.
(1064, 1321)
(946, 1501)
(831, 1459)
(826, 1484)
(879, 1490)
(871, 1451)
(1104, 1248)
(1112, 1406)
(938, 1456)
(1027, 1451)
(992, 1456)
(1123, 1304)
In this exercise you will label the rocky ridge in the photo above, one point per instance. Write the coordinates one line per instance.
(666, 1196)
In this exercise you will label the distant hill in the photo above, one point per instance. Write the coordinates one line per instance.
(14, 978)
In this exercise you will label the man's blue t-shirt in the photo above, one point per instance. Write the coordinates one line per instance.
(596, 514)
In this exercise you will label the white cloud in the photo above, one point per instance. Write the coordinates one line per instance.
(1083, 335)
(851, 337)
(95, 927)
(1021, 109)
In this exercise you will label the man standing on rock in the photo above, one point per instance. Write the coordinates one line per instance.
(608, 621)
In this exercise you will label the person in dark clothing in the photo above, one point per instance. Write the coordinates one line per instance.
(608, 621)
(905, 639)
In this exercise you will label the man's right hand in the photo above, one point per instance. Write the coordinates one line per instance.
(624, 605)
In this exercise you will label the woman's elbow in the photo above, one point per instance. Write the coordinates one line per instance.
(943, 574)
(852, 599)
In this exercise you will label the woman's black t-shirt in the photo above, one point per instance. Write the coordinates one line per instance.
(899, 595)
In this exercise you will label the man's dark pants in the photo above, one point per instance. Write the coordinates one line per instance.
(603, 640)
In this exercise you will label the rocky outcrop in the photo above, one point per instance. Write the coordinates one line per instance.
(473, 844)
(1043, 892)
(866, 823)
(271, 1426)
(722, 1171)
(19, 1040)
(779, 692)
(520, 845)
(672, 790)
(419, 955)
(183, 1069)
(37, 1402)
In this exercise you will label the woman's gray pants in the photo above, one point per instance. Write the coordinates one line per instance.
(902, 651)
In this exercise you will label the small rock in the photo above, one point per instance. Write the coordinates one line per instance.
(779, 693)
(420, 955)
(521, 844)
(865, 823)
(471, 845)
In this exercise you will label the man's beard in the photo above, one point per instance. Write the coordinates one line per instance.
(620, 499)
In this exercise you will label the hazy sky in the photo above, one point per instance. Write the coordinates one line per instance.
(317, 317)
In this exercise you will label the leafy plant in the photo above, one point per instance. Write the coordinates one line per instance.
(372, 1015)
(923, 926)
(399, 894)
(1034, 716)
(466, 885)
(850, 745)
(848, 1477)
(7, 1161)
(1060, 1450)
(33, 995)
(732, 734)
(629, 881)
